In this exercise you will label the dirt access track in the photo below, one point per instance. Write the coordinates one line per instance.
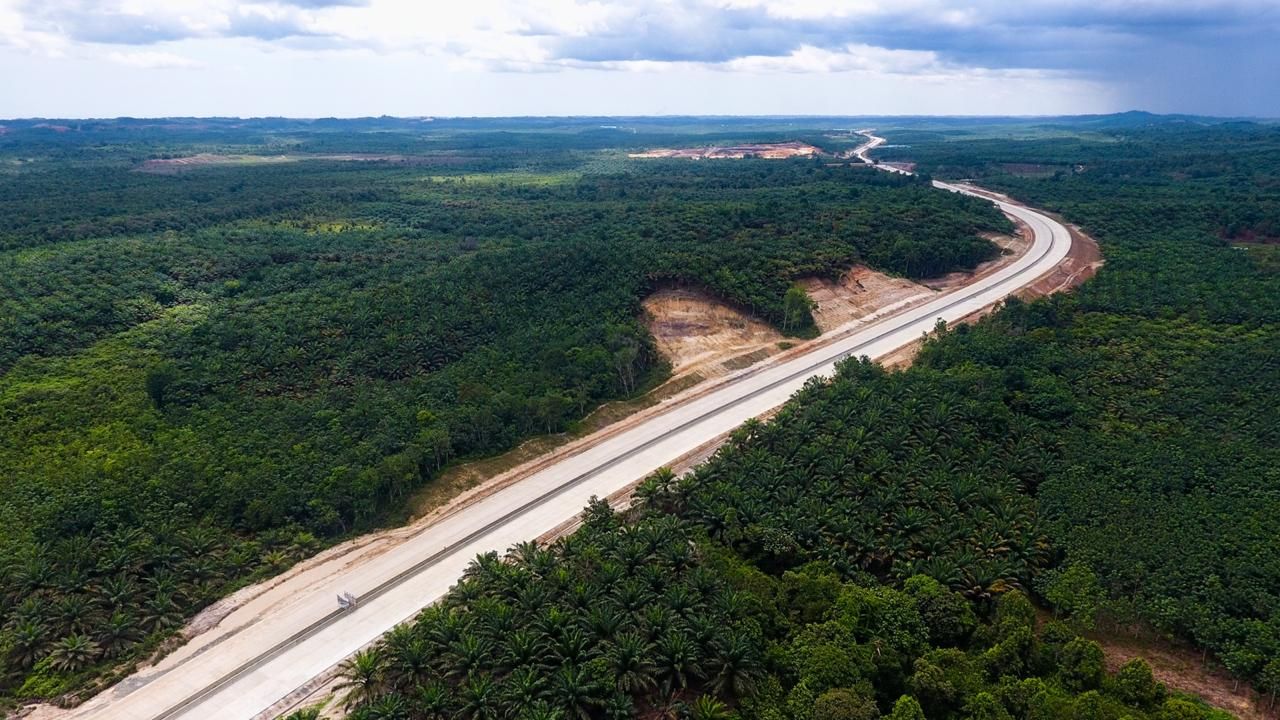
(271, 646)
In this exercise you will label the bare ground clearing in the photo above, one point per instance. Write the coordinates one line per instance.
(1181, 669)
(171, 166)
(862, 294)
(771, 151)
(695, 331)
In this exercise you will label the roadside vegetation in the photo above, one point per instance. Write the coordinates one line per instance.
(210, 374)
(652, 618)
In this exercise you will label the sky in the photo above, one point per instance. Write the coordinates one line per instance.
(349, 58)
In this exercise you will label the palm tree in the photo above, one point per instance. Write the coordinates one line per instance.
(161, 612)
(573, 647)
(362, 677)
(522, 647)
(619, 706)
(409, 662)
(480, 697)
(387, 707)
(118, 592)
(677, 661)
(736, 666)
(73, 652)
(706, 707)
(604, 621)
(631, 595)
(469, 653)
(524, 688)
(630, 660)
(33, 573)
(75, 613)
(576, 691)
(541, 710)
(28, 638)
(275, 561)
(657, 490)
(117, 634)
(434, 701)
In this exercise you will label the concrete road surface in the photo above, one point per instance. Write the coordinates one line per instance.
(243, 674)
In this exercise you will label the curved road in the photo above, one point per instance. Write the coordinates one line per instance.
(243, 675)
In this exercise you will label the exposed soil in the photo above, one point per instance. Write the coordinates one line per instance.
(695, 331)
(861, 294)
(1081, 263)
(1181, 669)
(771, 151)
(1011, 248)
(170, 166)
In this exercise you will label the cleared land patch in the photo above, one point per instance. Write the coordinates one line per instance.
(695, 331)
(771, 151)
(170, 166)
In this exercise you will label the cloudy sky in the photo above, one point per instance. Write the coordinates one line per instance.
(104, 58)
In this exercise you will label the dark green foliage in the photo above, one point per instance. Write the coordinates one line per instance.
(1075, 592)
(1134, 684)
(1085, 409)
(841, 704)
(1164, 488)
(1081, 664)
(649, 616)
(1125, 434)
(277, 354)
(906, 708)
(849, 474)
(947, 616)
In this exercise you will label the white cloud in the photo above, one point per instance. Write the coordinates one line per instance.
(15, 33)
(853, 57)
(151, 59)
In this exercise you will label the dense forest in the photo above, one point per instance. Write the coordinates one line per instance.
(1168, 478)
(262, 358)
(869, 551)
(212, 370)
(652, 618)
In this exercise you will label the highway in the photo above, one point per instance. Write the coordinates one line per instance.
(245, 673)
